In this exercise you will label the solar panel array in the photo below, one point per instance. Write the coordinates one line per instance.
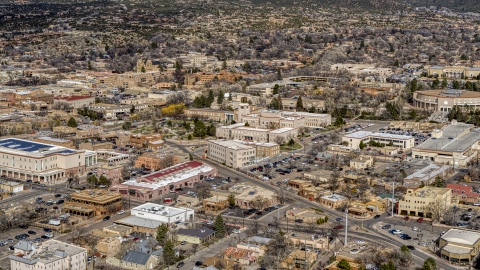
(23, 145)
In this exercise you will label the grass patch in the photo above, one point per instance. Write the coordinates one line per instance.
(317, 209)
(296, 146)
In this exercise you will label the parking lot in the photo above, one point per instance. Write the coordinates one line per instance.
(411, 232)
(251, 213)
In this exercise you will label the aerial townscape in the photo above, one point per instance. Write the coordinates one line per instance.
(240, 134)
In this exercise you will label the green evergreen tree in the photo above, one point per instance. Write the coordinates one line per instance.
(279, 75)
(280, 103)
(247, 124)
(219, 227)
(132, 109)
(429, 264)
(210, 98)
(220, 97)
(388, 266)
(224, 64)
(299, 105)
(199, 129)
(456, 84)
(276, 89)
(444, 83)
(274, 104)
(231, 199)
(92, 179)
(169, 256)
(89, 65)
(143, 69)
(189, 137)
(72, 122)
(436, 84)
(361, 145)
(230, 97)
(162, 232)
(212, 130)
(396, 64)
(190, 157)
(343, 264)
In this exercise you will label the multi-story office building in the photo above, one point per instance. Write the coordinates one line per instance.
(52, 254)
(231, 153)
(453, 72)
(210, 114)
(241, 132)
(417, 201)
(455, 144)
(444, 100)
(401, 141)
(277, 118)
(46, 163)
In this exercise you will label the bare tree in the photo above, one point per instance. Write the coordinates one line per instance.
(203, 190)
(279, 140)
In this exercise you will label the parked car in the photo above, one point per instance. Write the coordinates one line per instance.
(376, 216)
(407, 218)
(411, 247)
(338, 227)
(180, 264)
(183, 243)
(121, 212)
(386, 226)
(420, 220)
(32, 232)
(198, 263)
(106, 218)
(339, 219)
(47, 230)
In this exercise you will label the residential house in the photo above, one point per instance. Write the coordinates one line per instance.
(195, 236)
(361, 162)
(139, 261)
(464, 193)
(240, 255)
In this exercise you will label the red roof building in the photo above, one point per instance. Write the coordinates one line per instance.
(465, 193)
(76, 101)
(152, 186)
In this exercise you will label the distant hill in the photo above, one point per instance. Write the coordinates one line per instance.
(378, 5)
(455, 5)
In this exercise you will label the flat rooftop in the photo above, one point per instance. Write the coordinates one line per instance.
(427, 192)
(463, 237)
(232, 144)
(19, 145)
(160, 209)
(281, 130)
(366, 134)
(451, 141)
(96, 195)
(428, 172)
(140, 222)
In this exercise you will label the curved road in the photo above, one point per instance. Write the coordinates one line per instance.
(419, 256)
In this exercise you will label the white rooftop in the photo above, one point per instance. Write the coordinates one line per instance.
(281, 130)
(464, 237)
(365, 134)
(158, 209)
(232, 144)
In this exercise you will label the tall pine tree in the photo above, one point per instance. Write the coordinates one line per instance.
(219, 226)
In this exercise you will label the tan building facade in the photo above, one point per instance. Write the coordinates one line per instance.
(210, 114)
(93, 202)
(416, 202)
(231, 153)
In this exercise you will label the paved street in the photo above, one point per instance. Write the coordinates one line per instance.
(370, 233)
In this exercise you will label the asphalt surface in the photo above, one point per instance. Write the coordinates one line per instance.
(372, 233)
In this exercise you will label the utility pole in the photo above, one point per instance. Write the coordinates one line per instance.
(346, 226)
(393, 195)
